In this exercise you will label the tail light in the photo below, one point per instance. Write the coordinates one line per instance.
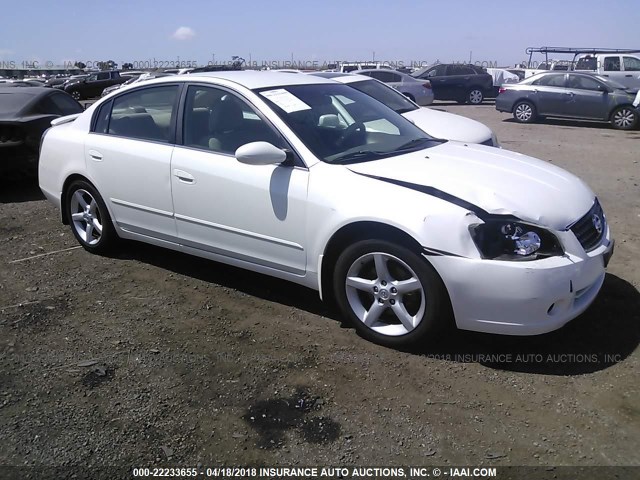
(427, 84)
(501, 90)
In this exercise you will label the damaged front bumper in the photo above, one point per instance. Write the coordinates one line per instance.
(523, 298)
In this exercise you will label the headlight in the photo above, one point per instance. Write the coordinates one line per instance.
(510, 240)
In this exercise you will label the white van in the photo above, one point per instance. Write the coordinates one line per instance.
(623, 68)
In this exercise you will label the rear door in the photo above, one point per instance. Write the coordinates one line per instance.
(128, 157)
(631, 67)
(612, 68)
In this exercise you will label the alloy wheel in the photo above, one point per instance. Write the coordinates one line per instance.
(385, 294)
(85, 216)
(624, 118)
(524, 112)
(475, 97)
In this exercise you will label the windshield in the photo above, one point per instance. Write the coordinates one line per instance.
(384, 94)
(340, 124)
(13, 102)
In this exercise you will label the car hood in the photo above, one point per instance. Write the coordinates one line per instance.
(497, 181)
(448, 125)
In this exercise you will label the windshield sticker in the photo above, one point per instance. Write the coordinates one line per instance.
(285, 100)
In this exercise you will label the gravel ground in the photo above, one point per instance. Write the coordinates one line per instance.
(154, 358)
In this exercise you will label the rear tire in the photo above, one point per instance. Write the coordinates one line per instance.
(475, 96)
(624, 118)
(390, 294)
(89, 218)
(76, 95)
(524, 112)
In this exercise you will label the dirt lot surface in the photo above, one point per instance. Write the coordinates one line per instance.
(153, 358)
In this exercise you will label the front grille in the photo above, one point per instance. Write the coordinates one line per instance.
(585, 229)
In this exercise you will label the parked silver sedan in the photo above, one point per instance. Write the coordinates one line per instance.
(569, 95)
(415, 89)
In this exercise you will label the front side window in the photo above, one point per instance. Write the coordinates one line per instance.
(631, 64)
(219, 121)
(583, 83)
(611, 64)
(145, 114)
(340, 124)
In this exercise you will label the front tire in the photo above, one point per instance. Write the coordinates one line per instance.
(524, 112)
(624, 118)
(390, 294)
(89, 218)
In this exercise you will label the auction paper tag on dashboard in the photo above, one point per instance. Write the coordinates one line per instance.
(285, 100)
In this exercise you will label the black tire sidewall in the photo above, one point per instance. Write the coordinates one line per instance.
(109, 236)
(436, 313)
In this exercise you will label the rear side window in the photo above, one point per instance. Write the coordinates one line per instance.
(146, 114)
(102, 118)
(66, 104)
(611, 64)
(587, 63)
(550, 81)
(384, 76)
(631, 64)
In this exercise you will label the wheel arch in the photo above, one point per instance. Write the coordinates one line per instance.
(353, 232)
(63, 196)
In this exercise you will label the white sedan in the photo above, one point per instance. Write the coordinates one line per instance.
(313, 181)
(436, 123)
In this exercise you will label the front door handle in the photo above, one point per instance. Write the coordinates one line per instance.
(629, 76)
(95, 155)
(183, 176)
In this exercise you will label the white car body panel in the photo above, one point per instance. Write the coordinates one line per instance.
(278, 220)
(450, 126)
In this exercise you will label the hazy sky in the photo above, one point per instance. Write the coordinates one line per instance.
(420, 30)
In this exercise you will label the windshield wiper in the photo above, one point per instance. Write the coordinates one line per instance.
(412, 144)
(355, 157)
(405, 110)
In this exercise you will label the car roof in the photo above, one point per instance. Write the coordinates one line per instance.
(342, 77)
(251, 79)
(32, 91)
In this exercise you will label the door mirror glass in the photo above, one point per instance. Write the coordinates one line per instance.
(260, 153)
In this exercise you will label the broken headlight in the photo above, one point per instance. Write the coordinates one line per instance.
(498, 239)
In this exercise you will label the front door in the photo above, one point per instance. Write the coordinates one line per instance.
(251, 213)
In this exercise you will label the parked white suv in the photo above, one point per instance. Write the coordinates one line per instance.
(623, 68)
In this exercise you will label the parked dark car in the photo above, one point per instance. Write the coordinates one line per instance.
(460, 82)
(94, 84)
(25, 113)
(569, 95)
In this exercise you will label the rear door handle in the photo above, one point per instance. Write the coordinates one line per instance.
(95, 155)
(629, 75)
(183, 176)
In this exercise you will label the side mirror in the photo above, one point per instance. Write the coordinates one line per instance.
(260, 153)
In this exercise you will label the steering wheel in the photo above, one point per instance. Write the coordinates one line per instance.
(351, 131)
